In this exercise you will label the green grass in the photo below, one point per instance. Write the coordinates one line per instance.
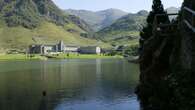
(85, 56)
(20, 57)
(47, 33)
(6, 57)
(125, 42)
(118, 34)
(127, 38)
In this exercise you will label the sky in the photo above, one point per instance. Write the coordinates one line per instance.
(125, 5)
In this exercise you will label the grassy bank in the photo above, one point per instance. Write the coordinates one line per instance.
(85, 56)
(20, 57)
(61, 56)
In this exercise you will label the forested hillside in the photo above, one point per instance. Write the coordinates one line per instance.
(124, 30)
(25, 22)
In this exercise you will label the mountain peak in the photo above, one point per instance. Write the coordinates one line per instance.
(112, 11)
(143, 13)
(100, 19)
(172, 10)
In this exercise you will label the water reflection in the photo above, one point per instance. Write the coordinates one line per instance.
(70, 85)
(43, 104)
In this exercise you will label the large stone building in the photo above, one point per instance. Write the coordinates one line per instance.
(62, 48)
(52, 49)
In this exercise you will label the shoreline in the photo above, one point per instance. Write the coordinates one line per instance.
(24, 57)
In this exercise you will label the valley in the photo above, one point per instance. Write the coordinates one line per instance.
(23, 23)
(100, 19)
(97, 55)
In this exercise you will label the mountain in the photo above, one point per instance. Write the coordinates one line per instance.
(124, 30)
(172, 10)
(100, 19)
(113, 25)
(25, 22)
(143, 13)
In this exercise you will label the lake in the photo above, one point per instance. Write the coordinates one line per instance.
(87, 84)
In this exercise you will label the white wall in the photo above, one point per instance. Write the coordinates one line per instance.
(98, 50)
(71, 49)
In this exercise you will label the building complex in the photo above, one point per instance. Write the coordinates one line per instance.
(62, 48)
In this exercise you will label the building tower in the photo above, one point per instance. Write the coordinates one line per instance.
(61, 46)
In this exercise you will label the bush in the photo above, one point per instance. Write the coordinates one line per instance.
(132, 50)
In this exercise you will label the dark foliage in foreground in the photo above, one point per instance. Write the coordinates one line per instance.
(165, 84)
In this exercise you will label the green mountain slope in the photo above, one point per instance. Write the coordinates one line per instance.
(100, 19)
(124, 30)
(25, 22)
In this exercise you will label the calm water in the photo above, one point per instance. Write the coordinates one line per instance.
(70, 84)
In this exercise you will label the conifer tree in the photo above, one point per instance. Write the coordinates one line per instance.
(157, 8)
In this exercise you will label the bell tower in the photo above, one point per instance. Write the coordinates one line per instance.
(61, 46)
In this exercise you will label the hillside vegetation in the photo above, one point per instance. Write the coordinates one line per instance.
(46, 33)
(124, 30)
(25, 22)
(115, 26)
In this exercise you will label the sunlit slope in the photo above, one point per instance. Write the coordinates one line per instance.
(125, 31)
(46, 33)
(26, 22)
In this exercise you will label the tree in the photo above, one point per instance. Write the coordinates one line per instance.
(157, 8)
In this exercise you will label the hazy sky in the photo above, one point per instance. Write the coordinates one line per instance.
(126, 5)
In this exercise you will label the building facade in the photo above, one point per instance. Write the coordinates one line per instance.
(90, 50)
(47, 49)
(62, 48)
(43, 49)
(35, 49)
(71, 49)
